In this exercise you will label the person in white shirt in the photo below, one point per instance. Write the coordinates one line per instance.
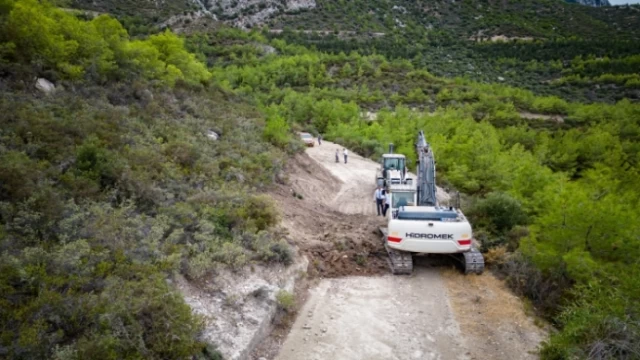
(387, 202)
(378, 197)
(346, 153)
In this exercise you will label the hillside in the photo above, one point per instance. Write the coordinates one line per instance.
(133, 160)
(469, 18)
(577, 52)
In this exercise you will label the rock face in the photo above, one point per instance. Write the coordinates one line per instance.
(238, 307)
(243, 14)
(594, 3)
(45, 85)
(249, 13)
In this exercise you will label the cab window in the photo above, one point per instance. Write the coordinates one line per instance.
(393, 163)
(399, 199)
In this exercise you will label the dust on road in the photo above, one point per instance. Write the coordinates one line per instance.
(422, 316)
(357, 179)
(373, 318)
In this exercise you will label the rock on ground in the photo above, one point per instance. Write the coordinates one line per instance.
(45, 85)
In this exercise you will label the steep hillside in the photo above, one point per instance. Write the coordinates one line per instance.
(548, 46)
(119, 168)
(468, 18)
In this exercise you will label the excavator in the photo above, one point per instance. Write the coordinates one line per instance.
(418, 224)
(393, 170)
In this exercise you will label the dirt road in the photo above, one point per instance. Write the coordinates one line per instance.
(422, 316)
(377, 318)
(357, 179)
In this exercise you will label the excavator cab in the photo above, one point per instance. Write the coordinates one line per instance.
(393, 164)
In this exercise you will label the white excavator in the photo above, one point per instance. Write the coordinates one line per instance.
(418, 224)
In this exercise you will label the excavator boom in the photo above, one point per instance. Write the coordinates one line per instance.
(426, 172)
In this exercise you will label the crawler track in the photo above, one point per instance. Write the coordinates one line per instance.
(473, 262)
(400, 262)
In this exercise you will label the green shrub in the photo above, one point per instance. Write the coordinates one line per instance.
(286, 300)
(277, 131)
(498, 212)
(43, 35)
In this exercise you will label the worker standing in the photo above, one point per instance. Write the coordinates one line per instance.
(319, 139)
(346, 153)
(378, 197)
(387, 202)
(337, 155)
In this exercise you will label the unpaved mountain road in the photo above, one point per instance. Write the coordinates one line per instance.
(436, 313)
(377, 318)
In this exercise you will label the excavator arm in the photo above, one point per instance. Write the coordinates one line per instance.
(426, 172)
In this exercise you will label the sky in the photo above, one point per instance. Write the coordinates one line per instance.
(621, 2)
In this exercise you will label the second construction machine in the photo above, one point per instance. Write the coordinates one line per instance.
(393, 169)
(422, 226)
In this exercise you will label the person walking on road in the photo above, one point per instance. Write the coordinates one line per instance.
(387, 202)
(346, 153)
(337, 155)
(319, 139)
(378, 197)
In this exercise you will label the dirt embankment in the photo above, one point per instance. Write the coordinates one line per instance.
(331, 218)
(436, 313)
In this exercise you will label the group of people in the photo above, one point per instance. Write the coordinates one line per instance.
(381, 196)
(345, 153)
(383, 200)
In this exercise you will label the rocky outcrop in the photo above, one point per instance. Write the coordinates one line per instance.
(44, 85)
(594, 3)
(238, 306)
(239, 13)
(249, 13)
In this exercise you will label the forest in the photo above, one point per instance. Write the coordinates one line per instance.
(110, 186)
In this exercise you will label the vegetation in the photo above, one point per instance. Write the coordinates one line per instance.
(521, 43)
(540, 19)
(286, 300)
(557, 191)
(110, 185)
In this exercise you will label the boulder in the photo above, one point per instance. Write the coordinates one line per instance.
(213, 135)
(45, 85)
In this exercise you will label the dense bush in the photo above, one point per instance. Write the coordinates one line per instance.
(497, 213)
(37, 37)
(99, 203)
(109, 188)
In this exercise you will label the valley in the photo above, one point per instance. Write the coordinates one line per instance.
(156, 201)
